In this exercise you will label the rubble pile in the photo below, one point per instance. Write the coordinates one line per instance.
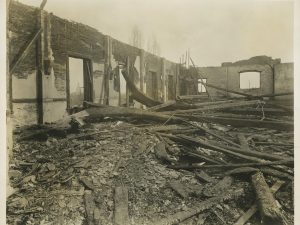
(128, 166)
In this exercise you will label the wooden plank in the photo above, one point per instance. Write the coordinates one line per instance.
(121, 216)
(253, 209)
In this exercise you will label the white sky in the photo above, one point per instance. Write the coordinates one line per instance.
(214, 31)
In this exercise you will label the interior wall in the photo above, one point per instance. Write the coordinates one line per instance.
(228, 77)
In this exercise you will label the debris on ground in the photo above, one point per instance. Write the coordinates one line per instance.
(114, 165)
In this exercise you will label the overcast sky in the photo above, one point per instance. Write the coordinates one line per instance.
(214, 31)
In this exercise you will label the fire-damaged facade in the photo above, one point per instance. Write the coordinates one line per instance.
(102, 132)
(45, 73)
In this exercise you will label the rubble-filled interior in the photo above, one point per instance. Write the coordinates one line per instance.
(138, 139)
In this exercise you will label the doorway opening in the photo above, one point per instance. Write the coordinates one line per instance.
(80, 83)
(152, 90)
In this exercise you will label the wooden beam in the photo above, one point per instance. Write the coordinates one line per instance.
(234, 165)
(238, 122)
(214, 107)
(40, 67)
(269, 210)
(253, 209)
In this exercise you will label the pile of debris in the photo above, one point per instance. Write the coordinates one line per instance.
(220, 162)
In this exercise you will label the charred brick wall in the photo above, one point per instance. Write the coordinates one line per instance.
(227, 77)
(61, 39)
(73, 39)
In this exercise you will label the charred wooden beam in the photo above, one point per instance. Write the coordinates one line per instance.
(214, 107)
(137, 94)
(268, 208)
(238, 122)
(252, 210)
(235, 165)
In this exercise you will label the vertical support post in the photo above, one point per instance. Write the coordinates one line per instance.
(40, 65)
(163, 71)
(127, 89)
(227, 94)
(177, 75)
(142, 71)
(107, 70)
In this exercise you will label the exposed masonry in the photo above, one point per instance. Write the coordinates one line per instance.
(155, 76)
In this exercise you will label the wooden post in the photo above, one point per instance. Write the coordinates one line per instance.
(40, 65)
(106, 70)
(142, 70)
(163, 74)
(127, 89)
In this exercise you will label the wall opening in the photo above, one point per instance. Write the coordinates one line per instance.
(249, 80)
(201, 88)
(79, 82)
(152, 89)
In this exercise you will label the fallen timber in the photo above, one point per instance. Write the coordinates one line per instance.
(234, 165)
(137, 94)
(268, 208)
(238, 122)
(252, 210)
(204, 205)
(230, 150)
(214, 107)
(96, 113)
